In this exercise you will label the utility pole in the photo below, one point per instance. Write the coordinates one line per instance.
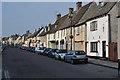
(71, 16)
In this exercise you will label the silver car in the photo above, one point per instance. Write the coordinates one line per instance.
(76, 56)
(59, 54)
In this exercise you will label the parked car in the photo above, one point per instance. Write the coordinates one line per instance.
(46, 51)
(52, 53)
(23, 47)
(41, 50)
(37, 49)
(59, 54)
(76, 56)
(32, 49)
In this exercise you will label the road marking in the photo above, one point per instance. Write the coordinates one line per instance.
(6, 73)
(0, 74)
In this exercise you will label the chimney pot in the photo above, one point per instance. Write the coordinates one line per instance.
(49, 24)
(78, 5)
(70, 10)
(58, 16)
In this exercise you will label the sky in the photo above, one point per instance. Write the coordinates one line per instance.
(18, 17)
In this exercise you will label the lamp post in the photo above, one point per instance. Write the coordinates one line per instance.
(70, 17)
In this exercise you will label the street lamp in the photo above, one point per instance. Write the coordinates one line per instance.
(70, 17)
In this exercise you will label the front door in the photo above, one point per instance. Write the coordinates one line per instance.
(104, 49)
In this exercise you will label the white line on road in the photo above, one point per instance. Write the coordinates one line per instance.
(6, 73)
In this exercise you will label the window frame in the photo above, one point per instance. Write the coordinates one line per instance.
(94, 47)
(93, 26)
(78, 30)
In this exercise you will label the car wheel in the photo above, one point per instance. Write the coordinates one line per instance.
(59, 58)
(72, 62)
(65, 59)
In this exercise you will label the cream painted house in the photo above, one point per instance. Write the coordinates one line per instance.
(66, 25)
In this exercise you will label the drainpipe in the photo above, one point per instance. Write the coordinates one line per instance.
(119, 46)
(109, 35)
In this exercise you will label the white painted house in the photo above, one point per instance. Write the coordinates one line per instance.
(98, 37)
(102, 31)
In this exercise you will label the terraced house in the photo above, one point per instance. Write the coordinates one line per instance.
(102, 31)
(24, 38)
(81, 28)
(55, 34)
(67, 27)
(33, 39)
(43, 36)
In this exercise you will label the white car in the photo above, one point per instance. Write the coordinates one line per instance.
(1, 49)
(40, 50)
(76, 56)
(60, 54)
(37, 49)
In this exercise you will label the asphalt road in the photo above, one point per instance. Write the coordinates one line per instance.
(19, 63)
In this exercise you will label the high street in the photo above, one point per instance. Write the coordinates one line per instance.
(19, 63)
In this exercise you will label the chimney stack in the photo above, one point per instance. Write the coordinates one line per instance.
(70, 10)
(49, 24)
(78, 5)
(58, 16)
(27, 31)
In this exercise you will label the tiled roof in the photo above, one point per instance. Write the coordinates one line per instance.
(35, 33)
(76, 17)
(5, 38)
(58, 23)
(89, 13)
(96, 11)
(27, 35)
(52, 29)
(105, 9)
(43, 33)
(14, 36)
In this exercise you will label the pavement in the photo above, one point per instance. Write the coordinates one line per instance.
(105, 63)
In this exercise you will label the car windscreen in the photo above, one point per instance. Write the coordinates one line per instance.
(48, 49)
(41, 48)
(79, 52)
(62, 51)
(54, 50)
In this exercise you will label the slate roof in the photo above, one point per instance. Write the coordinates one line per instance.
(52, 29)
(58, 23)
(14, 36)
(35, 33)
(76, 16)
(5, 38)
(27, 35)
(96, 11)
(89, 13)
(105, 9)
(43, 33)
